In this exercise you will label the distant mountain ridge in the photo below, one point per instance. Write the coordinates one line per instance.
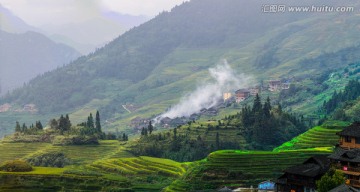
(11, 23)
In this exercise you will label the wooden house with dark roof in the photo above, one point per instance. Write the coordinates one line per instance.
(344, 188)
(348, 162)
(350, 136)
(346, 157)
(303, 177)
(241, 95)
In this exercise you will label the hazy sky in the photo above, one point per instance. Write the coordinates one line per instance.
(42, 12)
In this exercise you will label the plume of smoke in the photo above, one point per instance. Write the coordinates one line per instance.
(208, 94)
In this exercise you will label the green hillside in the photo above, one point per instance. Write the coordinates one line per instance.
(151, 72)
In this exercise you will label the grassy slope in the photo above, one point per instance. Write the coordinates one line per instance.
(155, 100)
(180, 70)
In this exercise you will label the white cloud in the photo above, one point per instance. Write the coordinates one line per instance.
(208, 94)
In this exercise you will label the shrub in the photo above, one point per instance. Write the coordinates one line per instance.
(52, 159)
(16, 166)
(75, 140)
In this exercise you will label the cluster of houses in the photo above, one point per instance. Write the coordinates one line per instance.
(345, 158)
(242, 94)
(303, 177)
(26, 108)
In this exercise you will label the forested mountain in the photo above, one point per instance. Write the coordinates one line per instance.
(153, 65)
(23, 56)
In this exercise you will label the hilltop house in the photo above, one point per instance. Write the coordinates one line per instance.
(227, 96)
(285, 86)
(138, 123)
(30, 108)
(274, 85)
(4, 108)
(350, 136)
(303, 177)
(255, 90)
(348, 162)
(344, 188)
(346, 157)
(241, 95)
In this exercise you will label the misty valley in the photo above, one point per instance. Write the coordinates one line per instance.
(179, 96)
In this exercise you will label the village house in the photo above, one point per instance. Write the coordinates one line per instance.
(348, 162)
(255, 90)
(344, 188)
(30, 108)
(303, 177)
(350, 137)
(277, 85)
(274, 85)
(138, 123)
(346, 157)
(285, 86)
(5, 107)
(241, 95)
(227, 96)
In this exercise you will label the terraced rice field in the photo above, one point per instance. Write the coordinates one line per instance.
(230, 133)
(141, 166)
(11, 151)
(315, 137)
(107, 162)
(241, 168)
(83, 154)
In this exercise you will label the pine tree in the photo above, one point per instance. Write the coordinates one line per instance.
(143, 131)
(150, 127)
(280, 109)
(62, 124)
(24, 128)
(175, 132)
(17, 127)
(38, 125)
(54, 124)
(124, 137)
(90, 122)
(257, 106)
(97, 122)
(217, 141)
(67, 123)
(267, 108)
(146, 132)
